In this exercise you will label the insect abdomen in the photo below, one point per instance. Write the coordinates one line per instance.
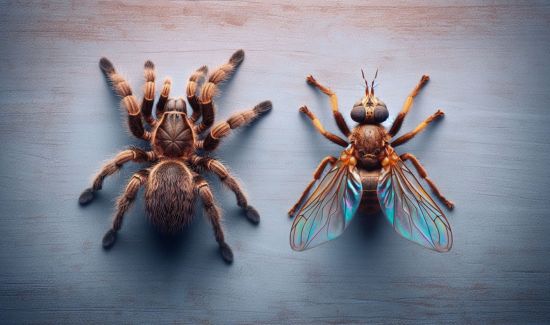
(169, 196)
(369, 199)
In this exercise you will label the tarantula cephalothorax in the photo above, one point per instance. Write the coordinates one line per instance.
(173, 181)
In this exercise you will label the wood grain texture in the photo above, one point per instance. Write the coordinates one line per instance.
(488, 63)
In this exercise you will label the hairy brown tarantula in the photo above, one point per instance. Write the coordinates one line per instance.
(172, 181)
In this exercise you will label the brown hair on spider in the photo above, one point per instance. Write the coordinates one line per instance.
(180, 145)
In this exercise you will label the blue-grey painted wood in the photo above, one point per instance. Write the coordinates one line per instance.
(59, 122)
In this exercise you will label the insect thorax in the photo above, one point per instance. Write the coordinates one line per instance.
(368, 141)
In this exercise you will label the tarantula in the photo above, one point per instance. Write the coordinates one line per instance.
(173, 181)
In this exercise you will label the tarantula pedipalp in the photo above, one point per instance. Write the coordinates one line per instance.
(173, 181)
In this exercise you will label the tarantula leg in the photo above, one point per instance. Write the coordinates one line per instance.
(316, 175)
(86, 197)
(128, 100)
(195, 81)
(216, 167)
(424, 174)
(213, 213)
(148, 93)
(222, 129)
(109, 239)
(163, 98)
(408, 136)
(210, 89)
(317, 124)
(340, 121)
(123, 204)
(396, 126)
(133, 154)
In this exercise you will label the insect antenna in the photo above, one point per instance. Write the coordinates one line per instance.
(372, 84)
(366, 82)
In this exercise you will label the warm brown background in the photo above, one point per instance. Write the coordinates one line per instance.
(58, 123)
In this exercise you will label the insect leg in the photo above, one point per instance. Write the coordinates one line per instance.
(340, 121)
(123, 204)
(112, 167)
(407, 106)
(128, 100)
(332, 137)
(223, 129)
(422, 172)
(210, 89)
(193, 86)
(407, 136)
(213, 213)
(316, 175)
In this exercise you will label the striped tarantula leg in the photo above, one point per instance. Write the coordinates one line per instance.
(163, 98)
(316, 175)
(123, 204)
(216, 167)
(222, 129)
(193, 86)
(148, 93)
(340, 121)
(133, 154)
(210, 89)
(128, 100)
(424, 174)
(396, 126)
(330, 136)
(213, 213)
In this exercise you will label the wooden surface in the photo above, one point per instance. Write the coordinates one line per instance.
(59, 122)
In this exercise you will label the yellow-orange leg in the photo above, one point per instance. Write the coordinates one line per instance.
(316, 175)
(422, 172)
(332, 137)
(340, 121)
(407, 136)
(407, 105)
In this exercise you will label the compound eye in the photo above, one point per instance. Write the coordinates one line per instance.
(358, 114)
(380, 113)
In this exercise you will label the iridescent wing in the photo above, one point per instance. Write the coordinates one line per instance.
(328, 211)
(411, 211)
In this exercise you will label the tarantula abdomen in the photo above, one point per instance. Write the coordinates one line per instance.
(170, 196)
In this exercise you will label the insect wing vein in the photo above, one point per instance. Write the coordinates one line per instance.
(329, 209)
(410, 209)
